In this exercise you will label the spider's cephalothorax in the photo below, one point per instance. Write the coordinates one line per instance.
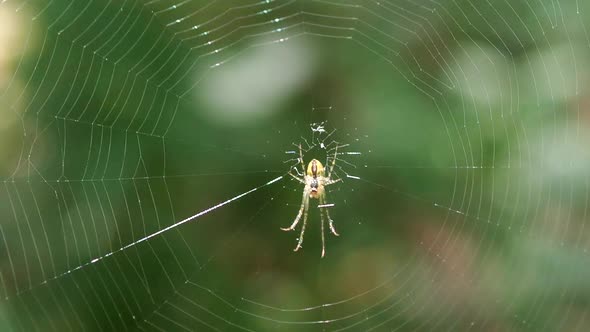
(315, 181)
(315, 169)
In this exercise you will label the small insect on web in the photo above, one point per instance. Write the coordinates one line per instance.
(315, 179)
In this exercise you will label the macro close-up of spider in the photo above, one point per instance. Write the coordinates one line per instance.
(315, 179)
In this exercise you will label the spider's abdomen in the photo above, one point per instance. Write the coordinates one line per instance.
(315, 168)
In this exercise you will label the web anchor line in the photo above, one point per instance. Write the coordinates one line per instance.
(163, 230)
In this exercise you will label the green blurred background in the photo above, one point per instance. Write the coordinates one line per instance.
(122, 118)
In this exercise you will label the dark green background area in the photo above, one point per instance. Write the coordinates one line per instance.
(465, 208)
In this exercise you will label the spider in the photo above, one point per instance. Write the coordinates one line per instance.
(315, 182)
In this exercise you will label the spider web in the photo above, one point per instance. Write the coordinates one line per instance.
(145, 145)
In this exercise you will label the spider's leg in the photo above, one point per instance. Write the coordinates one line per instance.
(305, 210)
(330, 181)
(300, 213)
(330, 221)
(296, 178)
(333, 161)
(322, 209)
(301, 158)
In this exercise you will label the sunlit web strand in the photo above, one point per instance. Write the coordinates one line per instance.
(163, 230)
